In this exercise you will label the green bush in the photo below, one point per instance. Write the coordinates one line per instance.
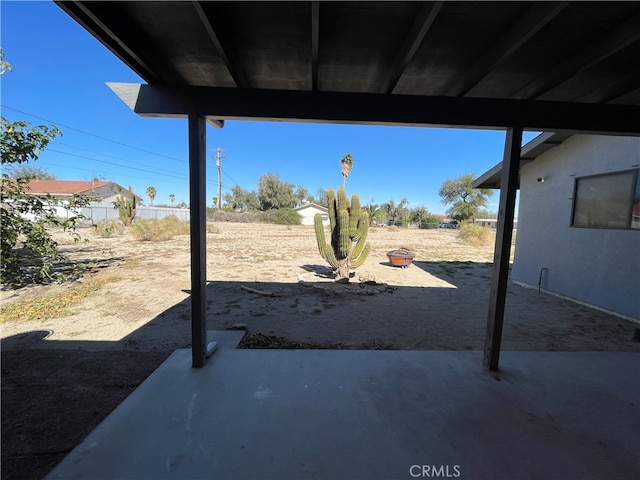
(429, 222)
(159, 230)
(28, 252)
(109, 229)
(282, 216)
(475, 235)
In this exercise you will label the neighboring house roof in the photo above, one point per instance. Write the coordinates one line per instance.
(312, 205)
(529, 152)
(62, 187)
(38, 186)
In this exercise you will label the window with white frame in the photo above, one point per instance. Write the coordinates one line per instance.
(610, 200)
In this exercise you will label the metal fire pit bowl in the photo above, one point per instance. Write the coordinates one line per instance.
(401, 257)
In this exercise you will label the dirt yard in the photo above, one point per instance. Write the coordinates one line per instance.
(62, 376)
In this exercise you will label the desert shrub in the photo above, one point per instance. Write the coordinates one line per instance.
(159, 230)
(175, 226)
(393, 228)
(475, 235)
(239, 217)
(109, 229)
(282, 216)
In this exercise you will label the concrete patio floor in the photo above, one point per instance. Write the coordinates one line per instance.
(356, 414)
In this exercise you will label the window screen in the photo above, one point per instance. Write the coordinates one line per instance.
(607, 201)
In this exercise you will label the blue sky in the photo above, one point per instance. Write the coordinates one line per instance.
(59, 75)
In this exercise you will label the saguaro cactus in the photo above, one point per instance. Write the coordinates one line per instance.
(349, 225)
(126, 207)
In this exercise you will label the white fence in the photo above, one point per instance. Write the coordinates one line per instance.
(104, 212)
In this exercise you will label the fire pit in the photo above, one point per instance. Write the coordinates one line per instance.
(401, 257)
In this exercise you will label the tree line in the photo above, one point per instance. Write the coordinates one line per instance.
(465, 202)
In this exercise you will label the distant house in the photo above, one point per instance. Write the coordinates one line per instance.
(309, 210)
(101, 196)
(579, 218)
(61, 189)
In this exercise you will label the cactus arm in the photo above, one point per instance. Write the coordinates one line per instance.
(344, 245)
(343, 201)
(357, 250)
(319, 228)
(325, 250)
(354, 213)
(359, 260)
(363, 226)
(331, 204)
(330, 257)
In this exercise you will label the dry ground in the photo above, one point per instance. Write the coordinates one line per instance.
(61, 377)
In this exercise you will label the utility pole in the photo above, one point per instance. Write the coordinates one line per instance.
(219, 165)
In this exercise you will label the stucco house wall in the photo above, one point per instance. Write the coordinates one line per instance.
(600, 267)
(308, 211)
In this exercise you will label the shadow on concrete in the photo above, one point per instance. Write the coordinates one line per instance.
(55, 392)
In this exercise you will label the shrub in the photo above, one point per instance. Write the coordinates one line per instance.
(475, 235)
(109, 229)
(282, 216)
(175, 226)
(159, 230)
(240, 217)
(429, 222)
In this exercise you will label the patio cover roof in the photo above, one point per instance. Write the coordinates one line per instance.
(541, 66)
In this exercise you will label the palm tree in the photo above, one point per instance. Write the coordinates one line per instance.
(151, 192)
(373, 210)
(172, 197)
(347, 164)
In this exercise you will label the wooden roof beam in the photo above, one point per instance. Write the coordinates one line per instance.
(608, 93)
(421, 25)
(621, 37)
(315, 43)
(539, 15)
(232, 67)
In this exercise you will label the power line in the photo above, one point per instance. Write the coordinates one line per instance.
(92, 170)
(169, 174)
(94, 135)
(57, 142)
(116, 164)
(179, 177)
